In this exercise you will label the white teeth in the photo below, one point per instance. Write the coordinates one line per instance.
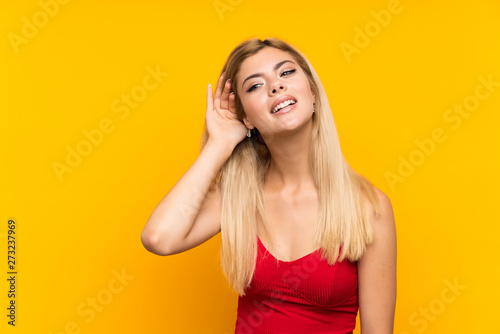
(282, 105)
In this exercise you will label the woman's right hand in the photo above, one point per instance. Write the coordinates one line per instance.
(223, 126)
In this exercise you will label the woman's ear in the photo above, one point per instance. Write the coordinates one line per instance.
(247, 122)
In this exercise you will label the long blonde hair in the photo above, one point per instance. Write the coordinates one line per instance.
(343, 217)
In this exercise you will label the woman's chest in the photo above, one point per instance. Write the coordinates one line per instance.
(292, 221)
(308, 280)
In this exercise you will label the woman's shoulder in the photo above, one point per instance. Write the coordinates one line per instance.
(382, 215)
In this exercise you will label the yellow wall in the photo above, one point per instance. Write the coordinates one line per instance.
(395, 98)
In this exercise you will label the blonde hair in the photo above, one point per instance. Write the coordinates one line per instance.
(343, 217)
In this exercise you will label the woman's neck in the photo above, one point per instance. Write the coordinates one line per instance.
(290, 166)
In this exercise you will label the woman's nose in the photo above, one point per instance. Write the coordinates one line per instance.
(277, 86)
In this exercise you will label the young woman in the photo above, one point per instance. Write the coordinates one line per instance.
(306, 241)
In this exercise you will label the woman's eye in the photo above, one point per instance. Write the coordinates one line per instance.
(252, 87)
(283, 73)
(289, 71)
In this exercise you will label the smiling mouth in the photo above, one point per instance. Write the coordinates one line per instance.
(285, 109)
(283, 105)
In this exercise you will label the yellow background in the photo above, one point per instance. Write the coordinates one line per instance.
(76, 233)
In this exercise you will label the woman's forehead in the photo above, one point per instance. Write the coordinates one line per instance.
(264, 60)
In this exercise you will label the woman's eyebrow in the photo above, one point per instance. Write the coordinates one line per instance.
(278, 65)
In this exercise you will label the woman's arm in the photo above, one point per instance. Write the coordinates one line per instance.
(189, 214)
(377, 273)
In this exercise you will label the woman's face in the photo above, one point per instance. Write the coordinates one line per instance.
(266, 78)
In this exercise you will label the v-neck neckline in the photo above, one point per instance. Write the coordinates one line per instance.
(293, 261)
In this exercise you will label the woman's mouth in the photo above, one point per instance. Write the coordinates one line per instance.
(285, 109)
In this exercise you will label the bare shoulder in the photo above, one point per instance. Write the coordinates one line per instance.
(384, 230)
(385, 216)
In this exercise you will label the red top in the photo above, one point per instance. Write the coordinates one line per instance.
(301, 296)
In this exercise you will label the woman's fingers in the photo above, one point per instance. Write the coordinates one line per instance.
(218, 92)
(232, 103)
(224, 99)
(224, 102)
(210, 102)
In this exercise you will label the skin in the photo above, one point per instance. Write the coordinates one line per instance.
(377, 273)
(290, 192)
(287, 136)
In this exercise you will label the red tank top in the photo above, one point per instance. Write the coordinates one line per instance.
(301, 296)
